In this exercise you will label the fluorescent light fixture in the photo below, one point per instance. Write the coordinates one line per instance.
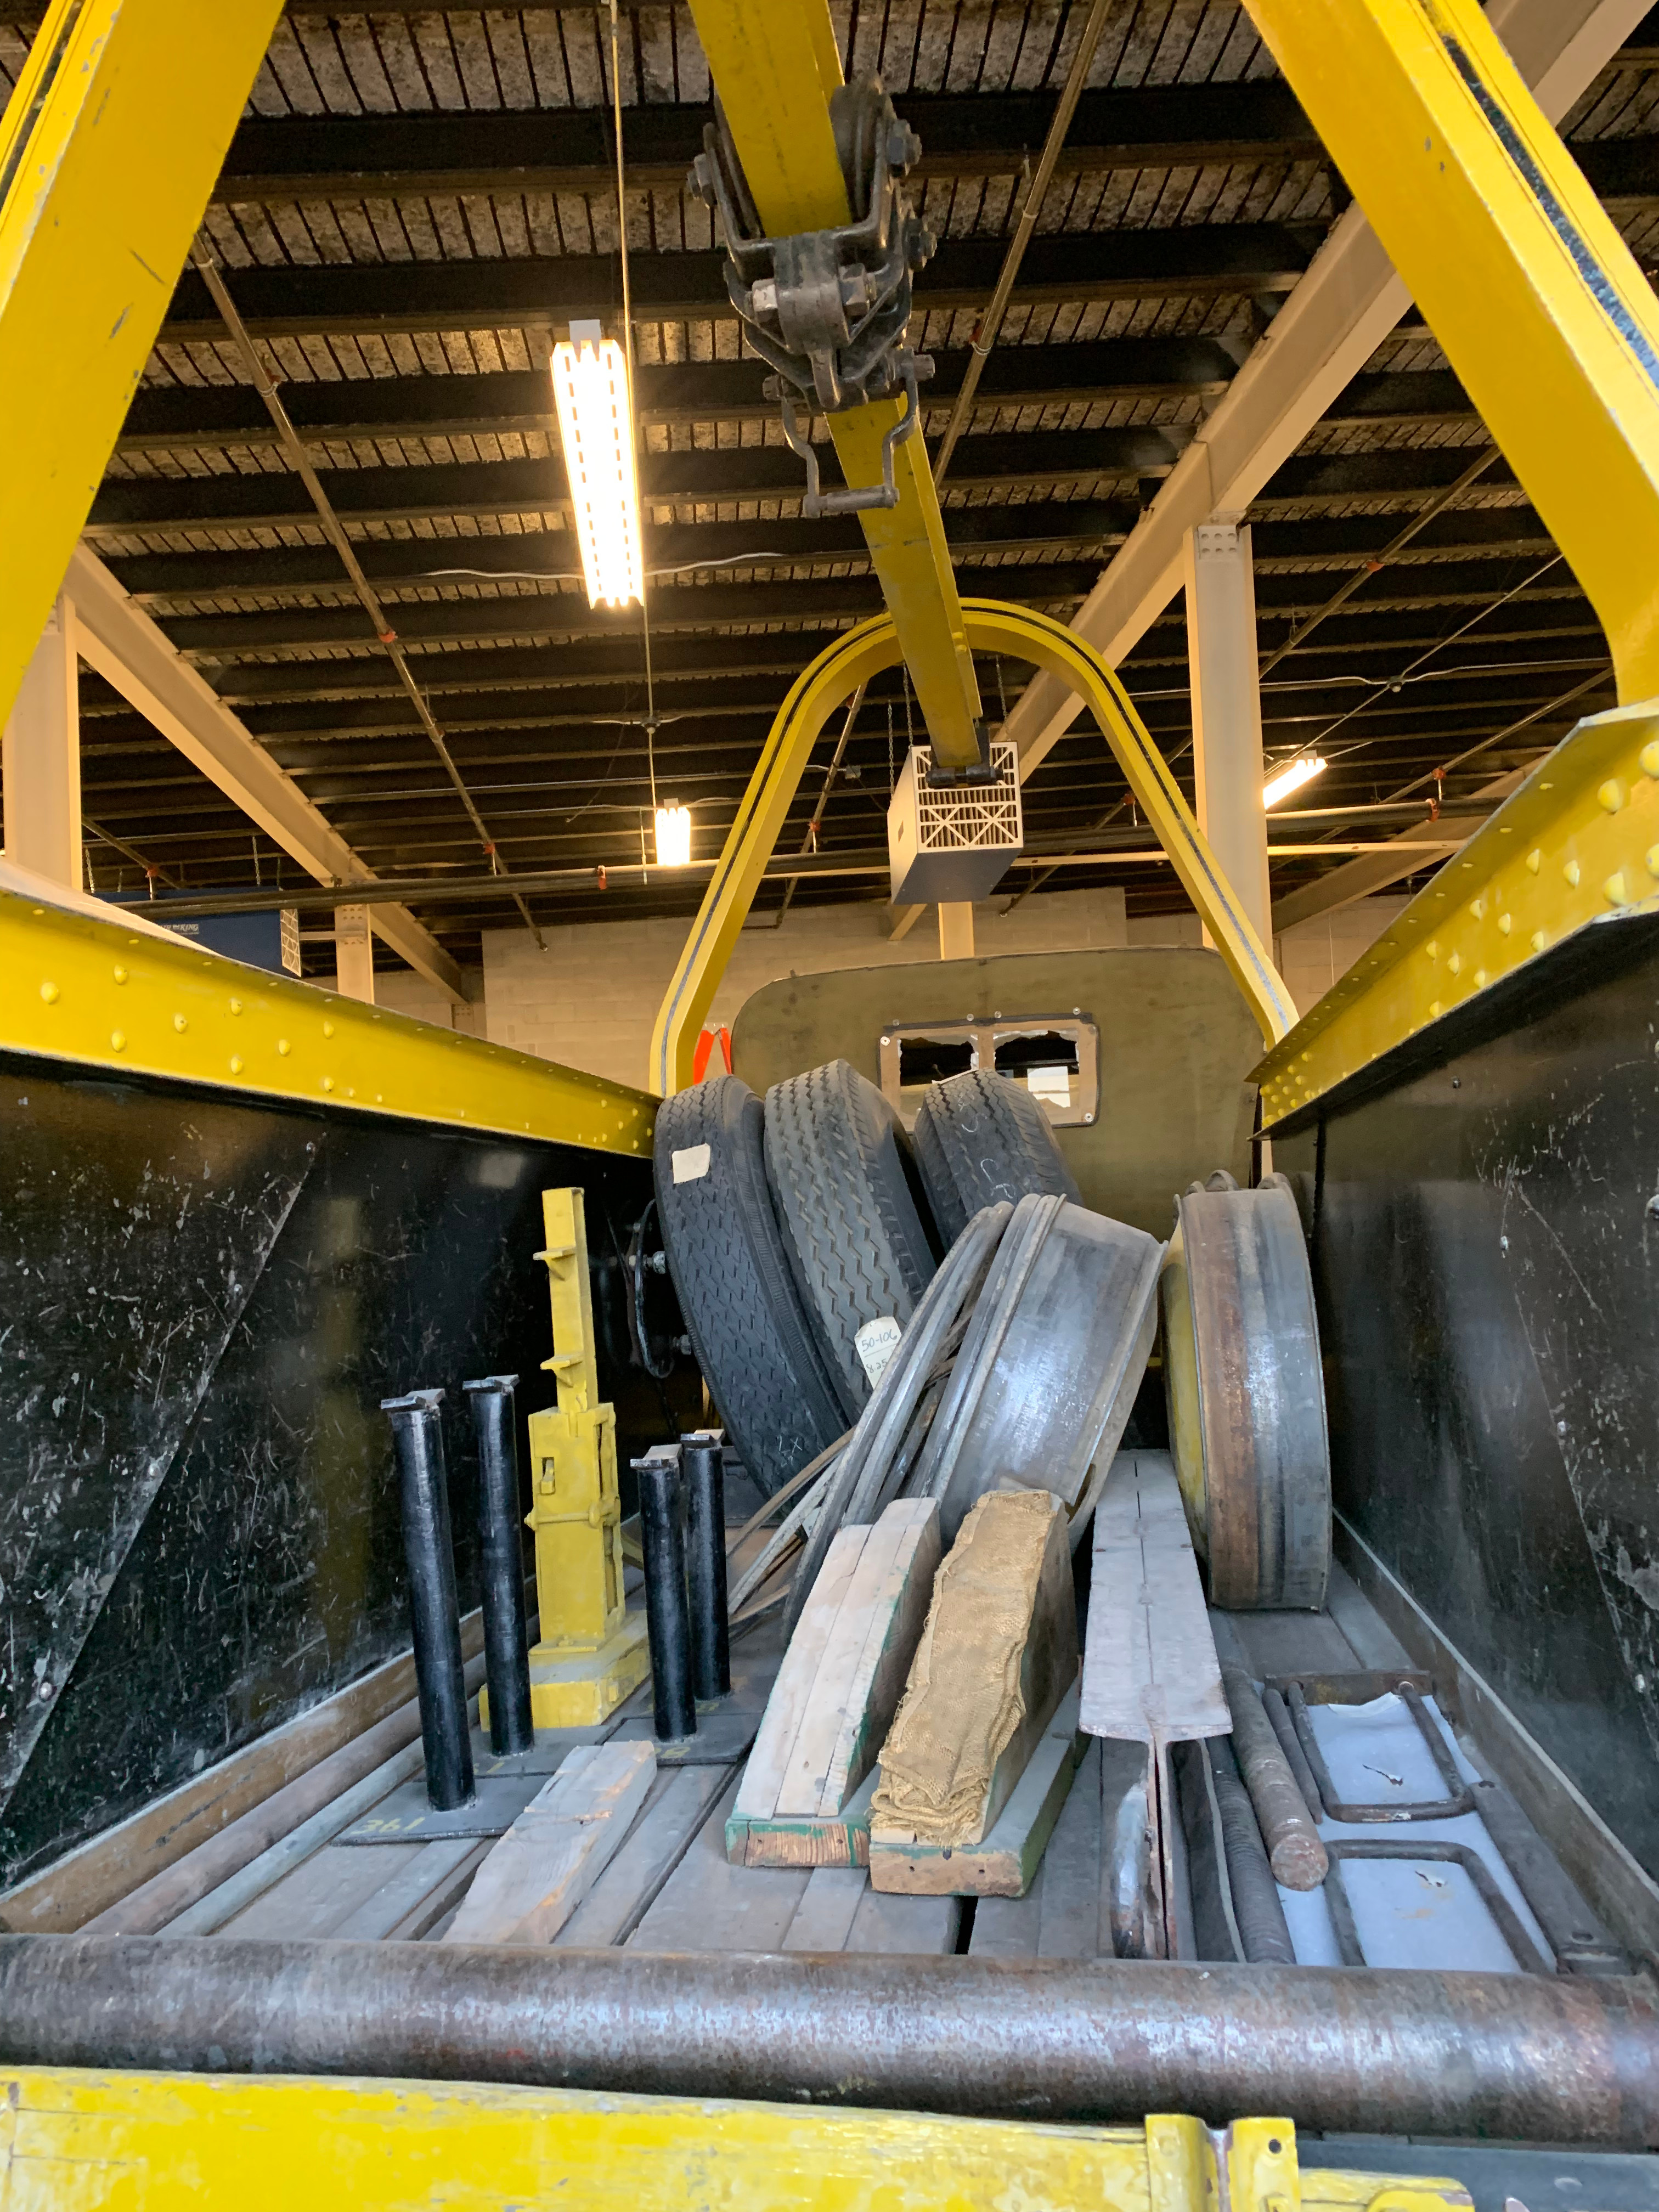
(1289, 780)
(673, 836)
(596, 425)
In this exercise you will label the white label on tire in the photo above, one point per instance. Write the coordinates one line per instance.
(691, 1163)
(876, 1343)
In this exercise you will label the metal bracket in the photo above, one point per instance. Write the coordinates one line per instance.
(856, 498)
(983, 771)
(828, 309)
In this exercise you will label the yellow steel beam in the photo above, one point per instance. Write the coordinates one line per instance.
(109, 148)
(148, 2142)
(95, 994)
(854, 657)
(775, 63)
(1554, 332)
(1520, 274)
(1577, 844)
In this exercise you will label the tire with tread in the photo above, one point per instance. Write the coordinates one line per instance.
(736, 1285)
(983, 1140)
(838, 1162)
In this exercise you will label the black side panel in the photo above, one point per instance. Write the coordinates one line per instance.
(203, 1303)
(1487, 1266)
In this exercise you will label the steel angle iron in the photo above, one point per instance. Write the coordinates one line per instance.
(1246, 1395)
(828, 309)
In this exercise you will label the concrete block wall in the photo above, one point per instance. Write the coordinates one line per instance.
(1314, 954)
(589, 1001)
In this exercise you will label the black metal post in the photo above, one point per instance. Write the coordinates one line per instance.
(435, 1615)
(705, 1565)
(662, 1542)
(506, 1665)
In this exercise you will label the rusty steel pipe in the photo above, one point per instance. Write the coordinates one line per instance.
(1563, 2060)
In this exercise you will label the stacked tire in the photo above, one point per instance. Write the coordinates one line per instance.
(801, 1234)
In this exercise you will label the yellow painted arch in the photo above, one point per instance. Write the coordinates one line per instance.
(830, 681)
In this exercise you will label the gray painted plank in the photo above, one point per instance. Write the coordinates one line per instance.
(674, 1812)
(706, 1905)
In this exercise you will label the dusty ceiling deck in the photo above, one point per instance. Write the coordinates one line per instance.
(416, 198)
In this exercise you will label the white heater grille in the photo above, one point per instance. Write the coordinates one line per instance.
(956, 841)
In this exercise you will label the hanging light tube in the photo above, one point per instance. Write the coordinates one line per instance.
(596, 428)
(673, 836)
(1289, 780)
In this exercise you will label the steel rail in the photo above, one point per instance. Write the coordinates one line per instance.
(1563, 2059)
(459, 891)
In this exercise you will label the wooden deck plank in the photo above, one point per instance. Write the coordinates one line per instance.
(434, 1879)
(708, 1905)
(824, 1918)
(1068, 1903)
(677, 1806)
(323, 1890)
(1373, 1642)
(887, 1922)
(535, 1877)
(1292, 1644)
(1009, 1927)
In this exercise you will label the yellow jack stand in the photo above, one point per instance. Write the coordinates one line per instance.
(593, 1652)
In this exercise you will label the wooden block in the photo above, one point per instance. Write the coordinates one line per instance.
(544, 1865)
(1003, 1865)
(1048, 1671)
(818, 1839)
(823, 1729)
(1150, 1671)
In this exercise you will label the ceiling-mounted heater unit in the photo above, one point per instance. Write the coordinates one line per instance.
(955, 841)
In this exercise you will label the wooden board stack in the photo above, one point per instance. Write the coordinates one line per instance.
(801, 1803)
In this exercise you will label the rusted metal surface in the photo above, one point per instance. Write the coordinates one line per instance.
(1258, 1415)
(1518, 2057)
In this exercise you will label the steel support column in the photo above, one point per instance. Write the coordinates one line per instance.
(956, 929)
(354, 954)
(1226, 708)
(775, 63)
(40, 758)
